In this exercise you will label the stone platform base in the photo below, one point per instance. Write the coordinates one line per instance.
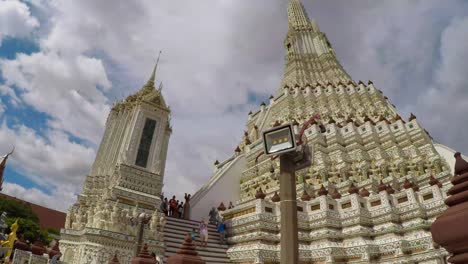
(433, 256)
(93, 246)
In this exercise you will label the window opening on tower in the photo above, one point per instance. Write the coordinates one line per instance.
(145, 143)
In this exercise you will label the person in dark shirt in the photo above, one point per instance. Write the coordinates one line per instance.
(172, 206)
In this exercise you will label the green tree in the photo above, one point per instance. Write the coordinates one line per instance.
(17, 209)
(29, 229)
(27, 220)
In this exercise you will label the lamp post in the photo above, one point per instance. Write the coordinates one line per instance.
(288, 207)
(293, 156)
(142, 220)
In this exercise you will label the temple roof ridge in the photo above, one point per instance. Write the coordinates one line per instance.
(148, 93)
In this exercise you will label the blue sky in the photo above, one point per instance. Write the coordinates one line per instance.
(62, 63)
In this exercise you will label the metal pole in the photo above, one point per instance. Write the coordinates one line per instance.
(139, 238)
(288, 207)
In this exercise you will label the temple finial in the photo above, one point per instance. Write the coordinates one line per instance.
(153, 75)
(11, 152)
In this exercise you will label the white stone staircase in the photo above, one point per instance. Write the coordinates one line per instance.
(175, 232)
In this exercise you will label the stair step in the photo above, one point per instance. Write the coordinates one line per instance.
(176, 230)
(181, 238)
(180, 241)
(186, 229)
(185, 221)
(215, 247)
(189, 225)
(181, 231)
(201, 253)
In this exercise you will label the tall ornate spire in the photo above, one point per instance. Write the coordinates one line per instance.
(310, 57)
(297, 16)
(150, 82)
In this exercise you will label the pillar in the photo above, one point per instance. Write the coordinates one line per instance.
(288, 207)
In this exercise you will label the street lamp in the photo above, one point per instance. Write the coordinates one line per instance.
(293, 156)
(279, 140)
(142, 220)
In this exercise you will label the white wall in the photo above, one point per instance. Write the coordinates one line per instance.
(222, 187)
(447, 153)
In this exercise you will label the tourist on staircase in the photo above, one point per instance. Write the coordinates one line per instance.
(176, 210)
(222, 232)
(203, 229)
(180, 209)
(187, 207)
(213, 216)
(193, 234)
(163, 206)
(172, 206)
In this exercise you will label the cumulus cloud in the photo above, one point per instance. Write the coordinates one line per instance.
(216, 56)
(445, 103)
(199, 86)
(65, 88)
(15, 19)
(59, 199)
(10, 93)
(52, 161)
(2, 107)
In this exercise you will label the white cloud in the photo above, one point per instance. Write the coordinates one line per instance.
(198, 85)
(215, 54)
(15, 19)
(51, 161)
(445, 103)
(194, 146)
(10, 93)
(209, 54)
(400, 45)
(60, 199)
(2, 107)
(65, 88)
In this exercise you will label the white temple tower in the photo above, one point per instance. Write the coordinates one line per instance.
(125, 180)
(376, 183)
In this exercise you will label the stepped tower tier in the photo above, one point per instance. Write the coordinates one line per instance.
(310, 57)
(124, 181)
(371, 178)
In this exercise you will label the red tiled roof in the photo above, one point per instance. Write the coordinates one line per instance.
(48, 218)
